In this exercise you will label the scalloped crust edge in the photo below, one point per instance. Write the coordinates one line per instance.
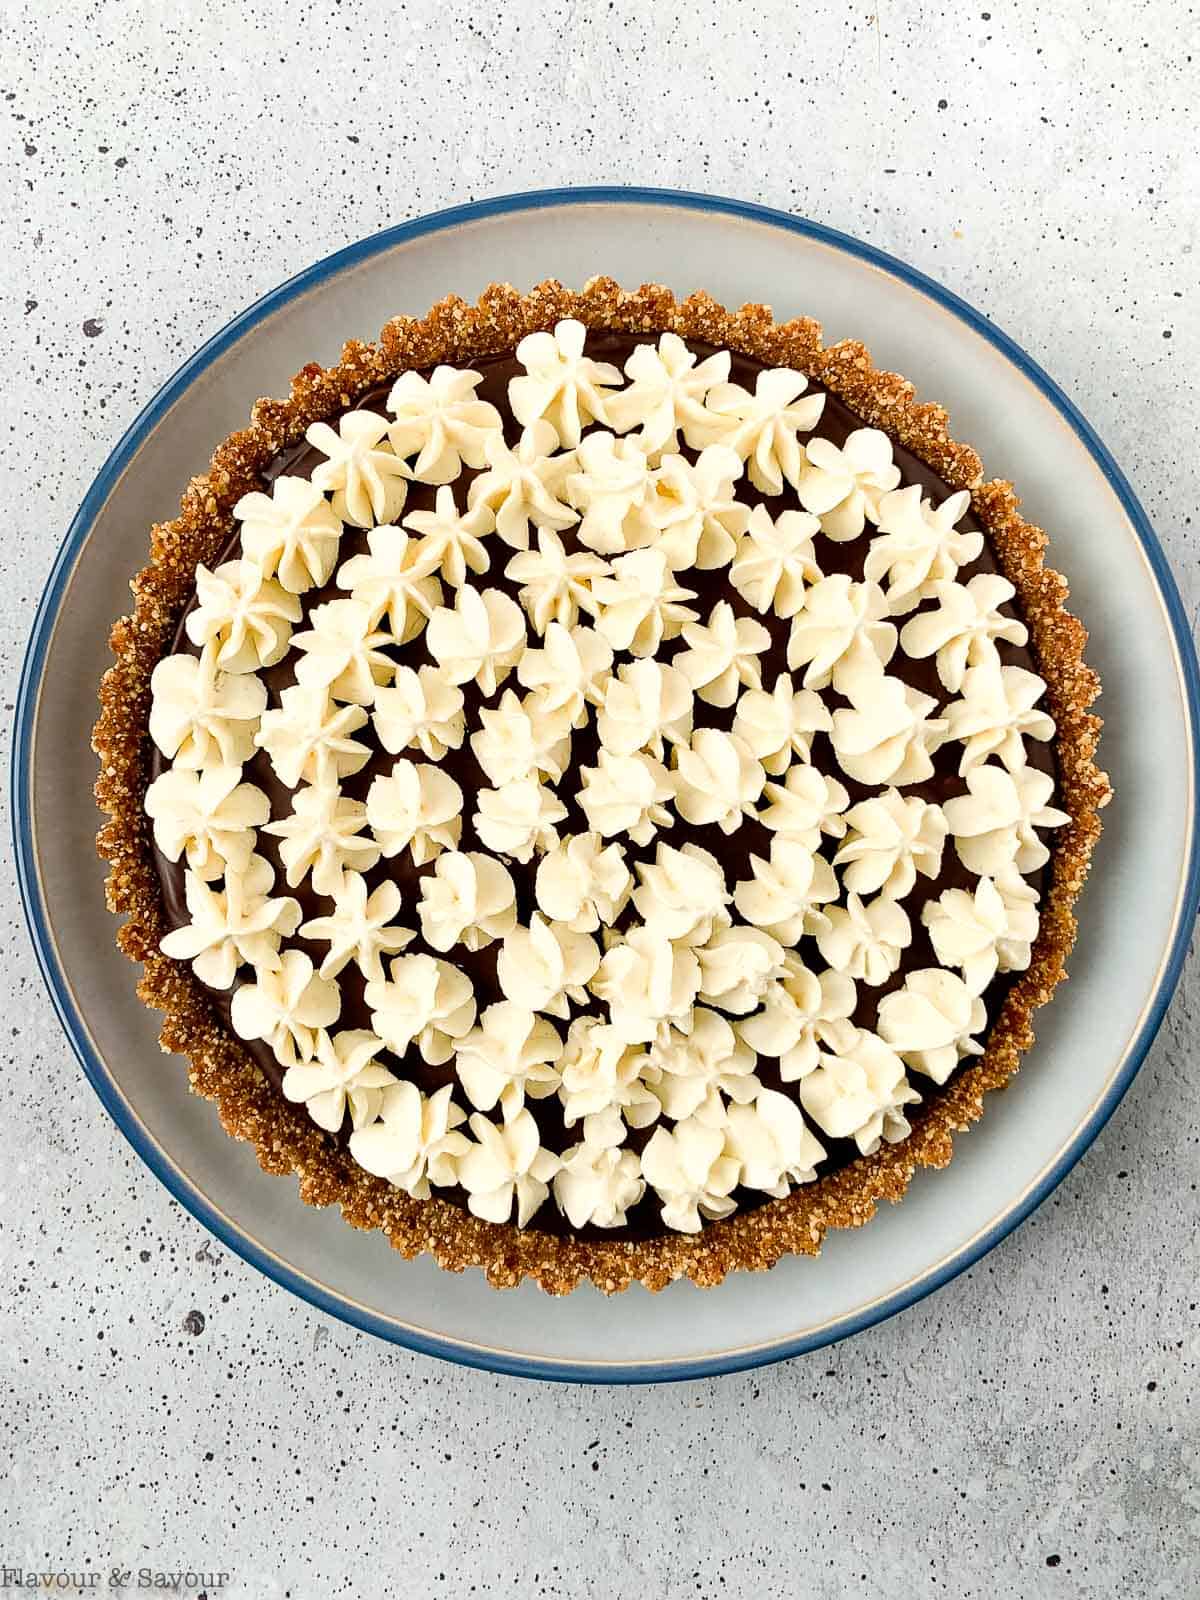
(283, 1138)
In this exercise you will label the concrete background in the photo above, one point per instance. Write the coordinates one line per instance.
(1031, 1430)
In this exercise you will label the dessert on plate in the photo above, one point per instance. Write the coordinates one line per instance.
(597, 784)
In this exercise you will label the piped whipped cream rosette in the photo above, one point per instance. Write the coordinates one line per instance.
(607, 796)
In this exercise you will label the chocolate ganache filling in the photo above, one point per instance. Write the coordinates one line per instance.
(733, 851)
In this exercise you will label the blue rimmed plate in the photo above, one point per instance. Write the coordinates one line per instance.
(1136, 915)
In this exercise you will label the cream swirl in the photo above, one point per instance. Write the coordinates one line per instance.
(510, 1054)
(891, 838)
(722, 655)
(997, 713)
(480, 641)
(963, 630)
(506, 1165)
(775, 561)
(362, 473)
(452, 540)
(918, 547)
(865, 941)
(682, 894)
(737, 967)
(247, 618)
(647, 704)
(626, 794)
(860, 1093)
(931, 1020)
(689, 1171)
(560, 383)
(286, 1008)
(887, 735)
(415, 807)
(309, 739)
(641, 605)
(341, 652)
(645, 980)
(395, 579)
(805, 806)
(201, 717)
(786, 893)
(762, 427)
(345, 1075)
(772, 1144)
(779, 726)
(597, 1184)
(439, 420)
(843, 486)
(524, 486)
(717, 780)
(243, 923)
(604, 1082)
(360, 927)
(415, 1142)
(322, 836)
(994, 824)
(519, 819)
(468, 899)
(422, 1001)
(613, 487)
(292, 532)
(519, 737)
(968, 931)
(555, 586)
(841, 636)
(667, 392)
(206, 817)
(546, 966)
(696, 510)
(422, 710)
(700, 1067)
(802, 1015)
(569, 671)
(583, 883)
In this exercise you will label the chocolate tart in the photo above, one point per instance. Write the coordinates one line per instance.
(244, 1080)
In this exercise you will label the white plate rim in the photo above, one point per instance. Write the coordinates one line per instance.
(199, 1204)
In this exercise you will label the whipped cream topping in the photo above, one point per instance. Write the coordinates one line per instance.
(209, 818)
(452, 540)
(844, 487)
(561, 384)
(248, 618)
(775, 561)
(201, 717)
(722, 655)
(287, 1007)
(415, 807)
(310, 739)
(779, 727)
(585, 618)
(292, 533)
(763, 428)
(343, 1076)
(361, 927)
(397, 581)
(363, 475)
(468, 899)
(556, 585)
(438, 425)
(666, 394)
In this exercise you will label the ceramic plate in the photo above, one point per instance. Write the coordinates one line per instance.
(1136, 914)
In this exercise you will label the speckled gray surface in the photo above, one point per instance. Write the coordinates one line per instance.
(1031, 1430)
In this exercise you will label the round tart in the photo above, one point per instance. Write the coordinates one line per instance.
(598, 785)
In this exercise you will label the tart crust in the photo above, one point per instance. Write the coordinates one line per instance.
(220, 1069)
